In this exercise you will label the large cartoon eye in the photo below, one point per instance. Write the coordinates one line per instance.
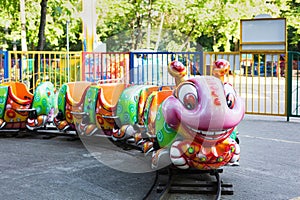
(230, 100)
(230, 95)
(187, 94)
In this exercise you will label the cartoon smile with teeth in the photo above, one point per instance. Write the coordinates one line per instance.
(196, 123)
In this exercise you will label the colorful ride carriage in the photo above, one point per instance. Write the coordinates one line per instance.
(21, 110)
(193, 122)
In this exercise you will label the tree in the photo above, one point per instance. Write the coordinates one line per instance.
(42, 38)
(133, 24)
(292, 11)
(41, 43)
(23, 25)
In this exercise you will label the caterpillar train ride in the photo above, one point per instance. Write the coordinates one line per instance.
(193, 122)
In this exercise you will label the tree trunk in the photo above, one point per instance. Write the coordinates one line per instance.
(149, 24)
(159, 31)
(23, 25)
(139, 31)
(187, 40)
(41, 44)
(132, 34)
(42, 40)
(236, 45)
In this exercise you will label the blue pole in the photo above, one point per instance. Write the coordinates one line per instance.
(6, 70)
(131, 66)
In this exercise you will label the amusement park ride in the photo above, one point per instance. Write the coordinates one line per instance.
(193, 122)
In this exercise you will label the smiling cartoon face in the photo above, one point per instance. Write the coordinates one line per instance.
(203, 109)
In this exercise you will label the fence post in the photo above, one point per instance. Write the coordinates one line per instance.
(5, 64)
(289, 85)
(131, 66)
(83, 64)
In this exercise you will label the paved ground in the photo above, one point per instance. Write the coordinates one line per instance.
(34, 168)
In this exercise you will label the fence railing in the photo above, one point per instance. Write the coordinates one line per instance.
(262, 83)
(260, 78)
(210, 57)
(293, 85)
(105, 67)
(3, 65)
(31, 67)
(152, 67)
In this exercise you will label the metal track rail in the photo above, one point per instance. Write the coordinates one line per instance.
(161, 185)
(169, 181)
(49, 131)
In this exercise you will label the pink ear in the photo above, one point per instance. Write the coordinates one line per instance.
(178, 66)
(221, 63)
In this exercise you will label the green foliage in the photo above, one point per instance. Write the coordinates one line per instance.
(58, 12)
(292, 11)
(131, 24)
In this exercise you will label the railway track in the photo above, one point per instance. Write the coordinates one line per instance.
(170, 181)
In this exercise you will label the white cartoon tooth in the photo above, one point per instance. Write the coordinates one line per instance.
(235, 158)
(237, 149)
(183, 167)
(175, 152)
(176, 143)
(178, 161)
(176, 156)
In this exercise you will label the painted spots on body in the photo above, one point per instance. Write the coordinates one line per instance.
(134, 118)
(2, 99)
(158, 115)
(163, 130)
(125, 96)
(168, 129)
(126, 117)
(38, 109)
(90, 103)
(37, 97)
(132, 109)
(160, 136)
(45, 102)
(119, 108)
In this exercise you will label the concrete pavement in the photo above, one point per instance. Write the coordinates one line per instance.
(35, 168)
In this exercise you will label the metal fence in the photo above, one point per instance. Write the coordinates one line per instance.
(3, 65)
(31, 67)
(259, 78)
(152, 67)
(293, 84)
(105, 67)
(211, 57)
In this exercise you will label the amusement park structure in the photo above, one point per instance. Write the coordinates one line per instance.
(180, 109)
(192, 122)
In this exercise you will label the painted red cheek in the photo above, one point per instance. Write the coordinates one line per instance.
(217, 102)
(214, 94)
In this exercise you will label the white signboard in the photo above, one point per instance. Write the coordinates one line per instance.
(263, 34)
